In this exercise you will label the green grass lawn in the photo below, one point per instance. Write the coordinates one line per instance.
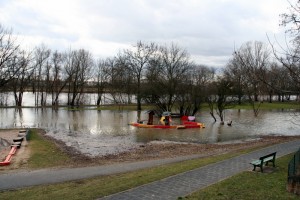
(45, 153)
(263, 106)
(251, 185)
(247, 185)
(105, 185)
(271, 106)
(97, 187)
(204, 106)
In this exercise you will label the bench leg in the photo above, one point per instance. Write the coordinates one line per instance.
(273, 162)
(254, 167)
(261, 168)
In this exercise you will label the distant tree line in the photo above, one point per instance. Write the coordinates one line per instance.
(162, 75)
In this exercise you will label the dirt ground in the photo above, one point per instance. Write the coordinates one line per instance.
(153, 150)
(21, 156)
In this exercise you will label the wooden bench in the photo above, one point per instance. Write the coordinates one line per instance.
(264, 159)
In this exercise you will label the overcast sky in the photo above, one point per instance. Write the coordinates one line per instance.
(208, 29)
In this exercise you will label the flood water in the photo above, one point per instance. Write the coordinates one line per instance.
(97, 133)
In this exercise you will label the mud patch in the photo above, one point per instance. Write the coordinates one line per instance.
(94, 146)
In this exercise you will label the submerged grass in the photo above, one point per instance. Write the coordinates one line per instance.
(251, 185)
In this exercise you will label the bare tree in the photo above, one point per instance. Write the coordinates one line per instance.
(253, 60)
(235, 73)
(78, 69)
(124, 81)
(152, 87)
(57, 81)
(21, 63)
(175, 66)
(193, 90)
(291, 19)
(225, 98)
(41, 72)
(289, 56)
(100, 77)
(8, 50)
(220, 97)
(138, 60)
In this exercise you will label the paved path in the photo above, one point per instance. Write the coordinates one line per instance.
(49, 176)
(169, 188)
(183, 184)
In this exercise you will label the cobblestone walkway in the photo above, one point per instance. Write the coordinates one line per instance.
(183, 184)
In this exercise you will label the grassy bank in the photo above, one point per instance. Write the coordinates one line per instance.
(98, 186)
(105, 185)
(204, 106)
(251, 185)
(271, 106)
(44, 153)
(247, 185)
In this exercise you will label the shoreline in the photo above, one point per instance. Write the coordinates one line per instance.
(149, 151)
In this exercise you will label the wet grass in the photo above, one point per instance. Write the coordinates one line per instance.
(250, 185)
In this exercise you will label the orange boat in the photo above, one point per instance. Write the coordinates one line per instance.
(186, 124)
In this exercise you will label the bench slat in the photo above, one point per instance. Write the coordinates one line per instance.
(256, 162)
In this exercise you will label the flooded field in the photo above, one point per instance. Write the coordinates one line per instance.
(97, 133)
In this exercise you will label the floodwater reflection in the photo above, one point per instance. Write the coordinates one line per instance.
(107, 132)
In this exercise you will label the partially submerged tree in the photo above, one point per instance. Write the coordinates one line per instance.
(252, 59)
(57, 81)
(41, 73)
(122, 84)
(21, 63)
(175, 66)
(234, 72)
(220, 98)
(166, 77)
(225, 98)
(78, 69)
(101, 78)
(195, 89)
(137, 61)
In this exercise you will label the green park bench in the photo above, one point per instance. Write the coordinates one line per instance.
(264, 160)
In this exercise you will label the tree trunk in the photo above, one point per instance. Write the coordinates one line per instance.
(213, 116)
(139, 106)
